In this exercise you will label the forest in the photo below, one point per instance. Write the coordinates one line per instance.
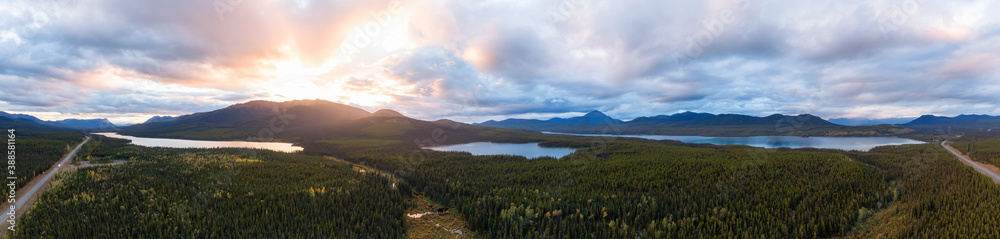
(37, 152)
(610, 188)
(985, 150)
(212, 193)
(638, 188)
(617, 187)
(939, 197)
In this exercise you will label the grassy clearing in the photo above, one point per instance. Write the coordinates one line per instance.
(434, 225)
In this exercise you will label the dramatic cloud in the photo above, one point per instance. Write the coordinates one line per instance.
(479, 60)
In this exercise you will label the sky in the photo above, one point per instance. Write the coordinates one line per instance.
(473, 61)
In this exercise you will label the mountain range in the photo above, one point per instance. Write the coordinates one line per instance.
(66, 123)
(318, 119)
(957, 123)
(302, 121)
(25, 125)
(155, 119)
(704, 124)
(594, 117)
(863, 122)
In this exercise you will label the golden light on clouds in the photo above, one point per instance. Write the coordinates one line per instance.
(180, 57)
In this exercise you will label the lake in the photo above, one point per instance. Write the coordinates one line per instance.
(186, 143)
(843, 143)
(486, 148)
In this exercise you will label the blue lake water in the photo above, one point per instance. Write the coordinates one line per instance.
(843, 143)
(531, 150)
(186, 143)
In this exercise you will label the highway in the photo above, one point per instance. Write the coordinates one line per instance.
(980, 168)
(24, 198)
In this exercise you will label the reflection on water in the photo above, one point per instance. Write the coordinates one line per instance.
(487, 148)
(185, 143)
(843, 143)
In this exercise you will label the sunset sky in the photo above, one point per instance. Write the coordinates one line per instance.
(472, 61)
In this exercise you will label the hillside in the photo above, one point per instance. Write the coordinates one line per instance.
(957, 123)
(66, 123)
(249, 119)
(703, 124)
(83, 123)
(863, 122)
(591, 118)
(308, 120)
(24, 127)
(155, 119)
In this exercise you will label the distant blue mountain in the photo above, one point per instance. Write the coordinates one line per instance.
(931, 122)
(66, 123)
(596, 118)
(591, 118)
(704, 124)
(82, 123)
(861, 122)
(26, 124)
(155, 119)
(20, 116)
(679, 117)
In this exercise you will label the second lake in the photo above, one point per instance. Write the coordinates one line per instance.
(842, 143)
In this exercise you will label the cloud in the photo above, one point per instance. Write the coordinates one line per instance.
(496, 59)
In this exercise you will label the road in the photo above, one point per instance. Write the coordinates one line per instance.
(23, 198)
(967, 161)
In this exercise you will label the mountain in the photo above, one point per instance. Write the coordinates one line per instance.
(66, 123)
(686, 116)
(304, 121)
(961, 122)
(386, 113)
(244, 120)
(863, 122)
(957, 120)
(703, 124)
(155, 119)
(591, 118)
(19, 116)
(24, 126)
(82, 123)
(775, 119)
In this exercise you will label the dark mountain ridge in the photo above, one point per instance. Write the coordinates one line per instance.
(705, 124)
(23, 125)
(66, 123)
(307, 121)
(158, 118)
(963, 122)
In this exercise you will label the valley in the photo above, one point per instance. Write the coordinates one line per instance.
(369, 175)
(500, 119)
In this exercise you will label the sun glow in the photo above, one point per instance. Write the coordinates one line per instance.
(336, 79)
(294, 90)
